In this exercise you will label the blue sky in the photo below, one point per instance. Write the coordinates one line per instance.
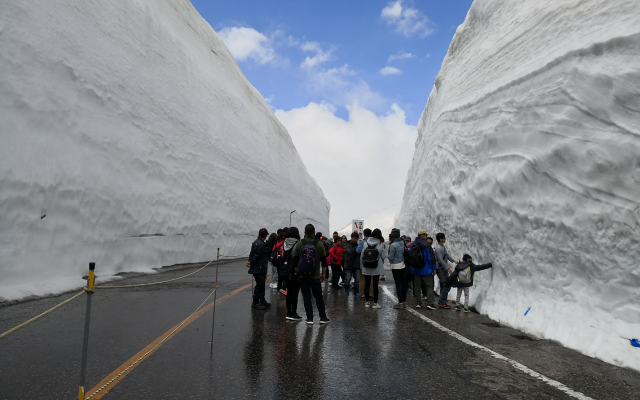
(349, 80)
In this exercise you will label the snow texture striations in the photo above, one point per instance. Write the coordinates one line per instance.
(131, 127)
(528, 156)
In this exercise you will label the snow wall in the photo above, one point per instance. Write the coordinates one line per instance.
(130, 125)
(528, 156)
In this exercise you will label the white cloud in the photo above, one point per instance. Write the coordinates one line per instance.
(249, 44)
(320, 56)
(390, 71)
(350, 157)
(407, 21)
(400, 56)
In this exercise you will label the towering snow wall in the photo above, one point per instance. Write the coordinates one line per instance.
(528, 156)
(129, 124)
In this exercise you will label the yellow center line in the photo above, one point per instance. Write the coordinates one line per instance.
(151, 345)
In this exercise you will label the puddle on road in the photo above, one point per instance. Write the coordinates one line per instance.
(492, 324)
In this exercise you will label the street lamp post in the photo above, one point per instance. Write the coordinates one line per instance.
(290, 214)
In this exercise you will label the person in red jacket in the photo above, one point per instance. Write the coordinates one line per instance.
(335, 254)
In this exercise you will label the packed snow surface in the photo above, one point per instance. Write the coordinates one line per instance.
(528, 156)
(131, 127)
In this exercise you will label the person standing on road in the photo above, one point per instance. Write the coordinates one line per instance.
(327, 243)
(443, 270)
(363, 295)
(289, 271)
(271, 243)
(423, 269)
(335, 254)
(407, 269)
(462, 279)
(396, 258)
(277, 261)
(372, 262)
(258, 266)
(351, 265)
(308, 255)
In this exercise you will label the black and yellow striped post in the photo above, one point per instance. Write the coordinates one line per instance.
(85, 345)
(215, 295)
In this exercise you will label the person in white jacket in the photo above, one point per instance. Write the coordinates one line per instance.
(372, 248)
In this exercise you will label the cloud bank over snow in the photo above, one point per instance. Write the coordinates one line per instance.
(361, 163)
(528, 156)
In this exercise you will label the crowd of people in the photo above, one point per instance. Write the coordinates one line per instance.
(302, 263)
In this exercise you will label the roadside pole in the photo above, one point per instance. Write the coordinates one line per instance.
(215, 295)
(87, 319)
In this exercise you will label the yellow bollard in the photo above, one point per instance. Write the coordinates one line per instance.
(87, 319)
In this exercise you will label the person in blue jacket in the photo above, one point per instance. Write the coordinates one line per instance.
(426, 273)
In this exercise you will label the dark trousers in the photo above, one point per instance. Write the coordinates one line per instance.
(348, 274)
(443, 274)
(293, 288)
(282, 282)
(400, 278)
(258, 291)
(336, 273)
(308, 286)
(367, 285)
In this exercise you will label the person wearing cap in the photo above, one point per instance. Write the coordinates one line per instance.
(258, 266)
(426, 273)
(407, 269)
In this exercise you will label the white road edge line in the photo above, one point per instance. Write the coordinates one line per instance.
(513, 363)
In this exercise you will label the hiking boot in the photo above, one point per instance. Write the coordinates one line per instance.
(324, 320)
(466, 309)
(376, 305)
(430, 307)
(282, 292)
(418, 305)
(445, 306)
(309, 322)
(346, 291)
(367, 304)
(258, 306)
(295, 317)
(458, 308)
(264, 303)
(398, 306)
(382, 278)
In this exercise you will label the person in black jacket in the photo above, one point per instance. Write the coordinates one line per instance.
(462, 278)
(258, 266)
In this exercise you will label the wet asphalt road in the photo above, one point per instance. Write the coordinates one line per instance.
(363, 353)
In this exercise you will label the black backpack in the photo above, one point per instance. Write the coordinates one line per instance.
(417, 258)
(286, 263)
(408, 261)
(308, 264)
(276, 259)
(370, 256)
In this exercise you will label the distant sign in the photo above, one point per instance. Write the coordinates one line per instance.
(358, 226)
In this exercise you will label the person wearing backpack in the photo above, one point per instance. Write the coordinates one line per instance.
(462, 279)
(396, 259)
(258, 266)
(372, 263)
(351, 265)
(309, 258)
(423, 267)
(443, 270)
(335, 254)
(276, 260)
(367, 235)
(271, 243)
(327, 246)
(288, 270)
